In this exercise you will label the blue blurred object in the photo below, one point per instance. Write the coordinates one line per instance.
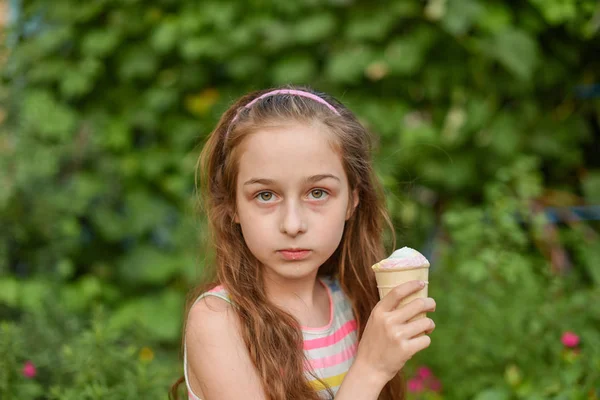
(579, 213)
(587, 91)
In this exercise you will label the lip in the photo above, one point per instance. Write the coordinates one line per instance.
(294, 254)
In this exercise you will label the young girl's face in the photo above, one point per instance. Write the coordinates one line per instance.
(292, 199)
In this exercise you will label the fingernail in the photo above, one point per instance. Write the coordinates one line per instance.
(422, 283)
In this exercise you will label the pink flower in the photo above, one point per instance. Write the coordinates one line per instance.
(29, 370)
(569, 339)
(415, 385)
(424, 372)
(435, 384)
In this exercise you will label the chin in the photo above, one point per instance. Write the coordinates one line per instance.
(293, 270)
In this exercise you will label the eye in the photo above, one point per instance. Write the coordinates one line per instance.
(318, 194)
(265, 197)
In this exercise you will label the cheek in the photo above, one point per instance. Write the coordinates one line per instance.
(254, 228)
(331, 224)
(249, 233)
(247, 223)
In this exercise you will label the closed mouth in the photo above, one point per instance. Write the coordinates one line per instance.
(294, 254)
(294, 250)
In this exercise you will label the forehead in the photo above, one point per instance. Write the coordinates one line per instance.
(289, 152)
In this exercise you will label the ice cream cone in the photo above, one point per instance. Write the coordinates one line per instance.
(403, 265)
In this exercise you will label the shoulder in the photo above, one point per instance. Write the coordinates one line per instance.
(208, 315)
(210, 308)
(216, 354)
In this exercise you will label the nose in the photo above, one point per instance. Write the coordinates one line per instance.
(293, 221)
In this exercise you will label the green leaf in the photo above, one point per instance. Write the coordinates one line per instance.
(315, 28)
(369, 24)
(201, 46)
(100, 43)
(81, 294)
(244, 66)
(348, 65)
(117, 135)
(160, 99)
(46, 117)
(148, 265)
(48, 71)
(556, 11)
(53, 39)
(515, 50)
(137, 62)
(75, 84)
(505, 135)
(32, 293)
(81, 78)
(165, 36)
(461, 15)
(493, 394)
(9, 291)
(591, 186)
(296, 69)
(591, 255)
(160, 314)
(405, 54)
(495, 17)
(276, 35)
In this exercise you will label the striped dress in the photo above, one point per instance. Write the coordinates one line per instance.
(330, 349)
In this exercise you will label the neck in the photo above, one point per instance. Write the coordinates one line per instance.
(306, 299)
(289, 293)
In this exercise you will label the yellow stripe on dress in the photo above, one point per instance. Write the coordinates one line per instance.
(332, 381)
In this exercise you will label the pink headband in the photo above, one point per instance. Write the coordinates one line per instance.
(300, 93)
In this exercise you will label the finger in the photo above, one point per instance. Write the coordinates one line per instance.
(390, 301)
(417, 344)
(414, 308)
(417, 327)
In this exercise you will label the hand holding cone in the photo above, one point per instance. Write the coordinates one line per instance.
(403, 265)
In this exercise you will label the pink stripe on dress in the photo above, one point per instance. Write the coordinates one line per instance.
(334, 359)
(216, 289)
(335, 337)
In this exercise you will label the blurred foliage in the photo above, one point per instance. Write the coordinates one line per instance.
(104, 104)
(72, 358)
(502, 311)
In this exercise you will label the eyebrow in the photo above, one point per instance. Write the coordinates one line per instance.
(310, 179)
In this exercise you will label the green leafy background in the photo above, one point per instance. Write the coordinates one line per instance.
(484, 117)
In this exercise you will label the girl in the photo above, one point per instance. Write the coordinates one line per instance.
(296, 215)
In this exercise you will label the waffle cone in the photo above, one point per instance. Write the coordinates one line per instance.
(389, 279)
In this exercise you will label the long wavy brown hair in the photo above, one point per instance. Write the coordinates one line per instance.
(272, 336)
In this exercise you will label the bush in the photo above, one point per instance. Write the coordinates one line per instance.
(484, 117)
(508, 327)
(51, 354)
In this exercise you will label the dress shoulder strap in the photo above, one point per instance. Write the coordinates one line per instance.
(218, 291)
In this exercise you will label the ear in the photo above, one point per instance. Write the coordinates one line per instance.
(236, 219)
(350, 211)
